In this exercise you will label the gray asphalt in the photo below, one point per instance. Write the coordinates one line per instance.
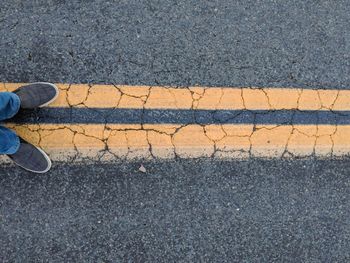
(302, 43)
(178, 211)
(181, 210)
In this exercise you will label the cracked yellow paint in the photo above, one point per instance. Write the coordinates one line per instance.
(105, 142)
(255, 99)
(214, 132)
(163, 98)
(187, 139)
(76, 95)
(66, 142)
(108, 95)
(309, 100)
(270, 141)
(233, 147)
(205, 98)
(342, 101)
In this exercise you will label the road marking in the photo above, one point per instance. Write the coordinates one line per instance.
(105, 122)
(106, 142)
(205, 98)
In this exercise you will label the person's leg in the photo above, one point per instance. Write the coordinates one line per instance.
(21, 152)
(9, 141)
(9, 105)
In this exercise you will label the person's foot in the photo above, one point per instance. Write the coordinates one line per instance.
(36, 95)
(31, 158)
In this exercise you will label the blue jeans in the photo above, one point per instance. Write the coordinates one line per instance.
(9, 106)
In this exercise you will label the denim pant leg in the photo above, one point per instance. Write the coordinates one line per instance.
(9, 106)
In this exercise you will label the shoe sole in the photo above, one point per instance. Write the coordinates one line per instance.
(54, 98)
(49, 163)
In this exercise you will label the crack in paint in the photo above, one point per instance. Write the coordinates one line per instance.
(175, 141)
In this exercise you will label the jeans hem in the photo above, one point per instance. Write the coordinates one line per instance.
(14, 148)
(18, 104)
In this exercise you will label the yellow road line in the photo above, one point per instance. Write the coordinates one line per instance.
(66, 142)
(132, 141)
(217, 98)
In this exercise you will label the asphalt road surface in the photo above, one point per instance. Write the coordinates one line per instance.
(181, 210)
(216, 43)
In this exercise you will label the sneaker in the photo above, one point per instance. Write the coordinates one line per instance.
(31, 158)
(36, 95)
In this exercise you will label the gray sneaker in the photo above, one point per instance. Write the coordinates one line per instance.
(31, 158)
(36, 95)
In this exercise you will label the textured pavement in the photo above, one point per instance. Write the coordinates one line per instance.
(181, 210)
(178, 211)
(217, 43)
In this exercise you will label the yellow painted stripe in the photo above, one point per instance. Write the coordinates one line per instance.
(66, 142)
(217, 98)
(132, 141)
